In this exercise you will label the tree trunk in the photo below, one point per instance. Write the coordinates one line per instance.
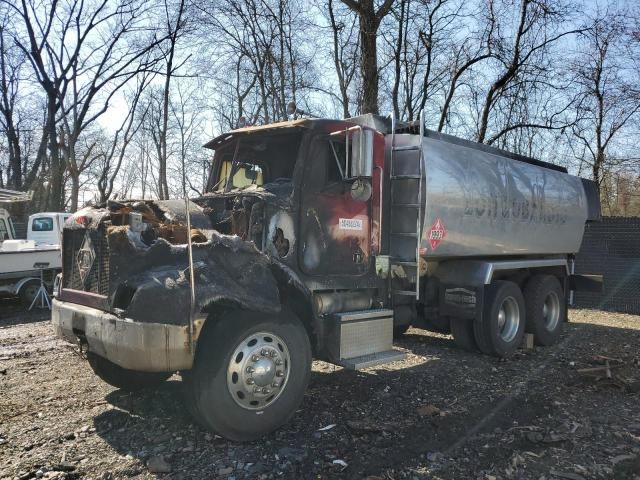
(369, 62)
(75, 191)
(55, 200)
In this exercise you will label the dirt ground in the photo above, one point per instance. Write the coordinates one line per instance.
(440, 414)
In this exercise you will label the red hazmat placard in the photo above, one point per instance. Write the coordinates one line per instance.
(437, 233)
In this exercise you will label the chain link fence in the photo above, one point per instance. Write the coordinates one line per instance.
(612, 248)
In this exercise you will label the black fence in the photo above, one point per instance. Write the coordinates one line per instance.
(612, 248)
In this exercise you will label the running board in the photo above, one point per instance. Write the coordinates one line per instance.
(361, 338)
(372, 360)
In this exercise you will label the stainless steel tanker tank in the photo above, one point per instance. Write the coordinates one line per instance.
(479, 202)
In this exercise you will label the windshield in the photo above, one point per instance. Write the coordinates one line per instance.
(244, 174)
(261, 160)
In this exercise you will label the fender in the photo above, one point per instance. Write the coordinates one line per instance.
(18, 286)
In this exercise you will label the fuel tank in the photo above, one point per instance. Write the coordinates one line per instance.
(479, 201)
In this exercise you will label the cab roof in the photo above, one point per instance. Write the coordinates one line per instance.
(291, 125)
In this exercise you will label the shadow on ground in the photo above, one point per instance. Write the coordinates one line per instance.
(484, 411)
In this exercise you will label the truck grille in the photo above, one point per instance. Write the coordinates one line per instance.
(97, 276)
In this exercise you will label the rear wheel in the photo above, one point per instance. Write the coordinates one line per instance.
(500, 329)
(546, 308)
(462, 331)
(28, 292)
(125, 379)
(250, 373)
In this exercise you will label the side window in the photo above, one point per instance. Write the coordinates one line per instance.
(336, 167)
(4, 232)
(327, 162)
(43, 224)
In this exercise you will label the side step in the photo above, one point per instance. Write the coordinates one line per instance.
(362, 339)
(366, 361)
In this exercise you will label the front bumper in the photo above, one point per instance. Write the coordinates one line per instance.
(147, 347)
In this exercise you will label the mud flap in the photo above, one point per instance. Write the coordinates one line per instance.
(461, 301)
(587, 283)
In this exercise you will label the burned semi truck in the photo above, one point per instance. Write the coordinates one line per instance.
(320, 239)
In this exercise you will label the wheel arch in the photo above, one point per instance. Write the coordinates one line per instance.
(293, 296)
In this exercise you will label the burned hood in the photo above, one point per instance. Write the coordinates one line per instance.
(147, 264)
(226, 269)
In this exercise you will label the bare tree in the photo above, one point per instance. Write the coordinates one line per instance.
(345, 48)
(10, 65)
(175, 27)
(537, 29)
(370, 18)
(606, 72)
(113, 153)
(82, 54)
(263, 66)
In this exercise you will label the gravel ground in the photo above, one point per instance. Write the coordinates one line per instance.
(440, 414)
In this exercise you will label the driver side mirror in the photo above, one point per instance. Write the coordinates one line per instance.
(361, 143)
(359, 152)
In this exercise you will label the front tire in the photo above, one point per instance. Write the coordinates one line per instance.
(250, 374)
(500, 329)
(546, 308)
(122, 378)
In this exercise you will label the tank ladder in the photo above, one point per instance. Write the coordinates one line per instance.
(407, 201)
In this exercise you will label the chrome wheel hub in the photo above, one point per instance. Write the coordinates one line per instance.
(508, 319)
(551, 311)
(258, 370)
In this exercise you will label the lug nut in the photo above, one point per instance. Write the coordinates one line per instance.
(278, 362)
(263, 352)
(257, 390)
(275, 384)
(255, 358)
(266, 391)
(250, 381)
(250, 369)
(279, 373)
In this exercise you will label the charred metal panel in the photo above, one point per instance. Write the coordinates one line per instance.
(147, 276)
(226, 269)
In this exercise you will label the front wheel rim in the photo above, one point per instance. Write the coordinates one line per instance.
(551, 311)
(258, 370)
(508, 319)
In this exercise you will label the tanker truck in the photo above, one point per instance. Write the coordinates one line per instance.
(320, 239)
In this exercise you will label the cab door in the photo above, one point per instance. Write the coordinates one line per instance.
(335, 224)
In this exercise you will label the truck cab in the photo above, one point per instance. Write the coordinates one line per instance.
(45, 228)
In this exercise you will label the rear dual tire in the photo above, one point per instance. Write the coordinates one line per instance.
(499, 331)
(546, 309)
(508, 313)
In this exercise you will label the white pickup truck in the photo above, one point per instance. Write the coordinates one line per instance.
(21, 260)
